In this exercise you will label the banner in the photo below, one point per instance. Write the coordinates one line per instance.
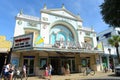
(100, 46)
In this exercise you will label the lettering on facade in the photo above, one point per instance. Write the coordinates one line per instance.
(72, 45)
(63, 19)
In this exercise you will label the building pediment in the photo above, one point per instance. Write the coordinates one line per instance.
(62, 13)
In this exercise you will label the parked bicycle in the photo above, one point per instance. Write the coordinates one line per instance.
(88, 71)
(19, 75)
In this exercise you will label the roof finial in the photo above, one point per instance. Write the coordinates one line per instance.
(21, 11)
(63, 7)
(45, 7)
(78, 15)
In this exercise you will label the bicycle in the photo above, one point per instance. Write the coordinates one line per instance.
(19, 75)
(88, 71)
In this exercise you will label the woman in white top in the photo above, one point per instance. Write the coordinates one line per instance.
(24, 70)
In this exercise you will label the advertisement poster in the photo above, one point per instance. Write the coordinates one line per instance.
(15, 61)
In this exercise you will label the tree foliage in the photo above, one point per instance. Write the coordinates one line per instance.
(114, 41)
(110, 10)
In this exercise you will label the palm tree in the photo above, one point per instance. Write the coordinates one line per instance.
(114, 41)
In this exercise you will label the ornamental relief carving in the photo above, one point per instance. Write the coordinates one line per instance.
(19, 22)
(32, 24)
(44, 26)
(45, 19)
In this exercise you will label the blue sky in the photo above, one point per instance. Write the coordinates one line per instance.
(89, 11)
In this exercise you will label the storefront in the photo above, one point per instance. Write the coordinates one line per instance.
(36, 57)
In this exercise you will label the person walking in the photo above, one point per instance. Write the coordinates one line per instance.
(9, 71)
(6, 69)
(67, 69)
(105, 67)
(50, 70)
(24, 70)
(45, 67)
(112, 67)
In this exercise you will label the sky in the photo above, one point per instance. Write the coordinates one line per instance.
(88, 10)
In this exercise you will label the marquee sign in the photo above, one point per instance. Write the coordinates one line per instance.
(23, 41)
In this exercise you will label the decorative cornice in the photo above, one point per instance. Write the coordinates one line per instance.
(48, 11)
(37, 20)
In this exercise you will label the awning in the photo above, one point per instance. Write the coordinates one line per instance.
(60, 50)
(3, 50)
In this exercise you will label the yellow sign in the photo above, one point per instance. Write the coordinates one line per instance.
(100, 46)
(4, 44)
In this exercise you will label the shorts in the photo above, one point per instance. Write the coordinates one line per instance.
(49, 72)
(6, 73)
(11, 73)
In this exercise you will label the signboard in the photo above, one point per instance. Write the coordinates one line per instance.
(23, 42)
(100, 46)
(39, 42)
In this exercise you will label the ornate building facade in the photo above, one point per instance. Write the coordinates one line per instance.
(56, 37)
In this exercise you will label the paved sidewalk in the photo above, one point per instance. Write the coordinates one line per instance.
(76, 76)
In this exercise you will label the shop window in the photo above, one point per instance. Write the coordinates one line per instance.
(84, 62)
(42, 62)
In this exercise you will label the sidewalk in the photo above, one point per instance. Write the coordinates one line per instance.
(76, 76)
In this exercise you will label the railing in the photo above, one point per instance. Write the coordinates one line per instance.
(87, 29)
(29, 17)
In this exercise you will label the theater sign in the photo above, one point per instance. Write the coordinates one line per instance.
(23, 42)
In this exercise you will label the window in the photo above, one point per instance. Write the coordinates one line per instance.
(97, 38)
(107, 35)
(84, 62)
(42, 62)
(118, 32)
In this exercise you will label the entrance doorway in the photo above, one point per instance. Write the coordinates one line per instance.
(29, 62)
(58, 63)
(55, 62)
(2, 59)
(71, 63)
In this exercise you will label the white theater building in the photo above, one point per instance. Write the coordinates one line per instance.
(57, 37)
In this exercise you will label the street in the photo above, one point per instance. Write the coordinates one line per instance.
(79, 76)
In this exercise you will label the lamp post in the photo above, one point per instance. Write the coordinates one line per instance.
(109, 50)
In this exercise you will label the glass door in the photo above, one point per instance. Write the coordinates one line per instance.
(72, 65)
(29, 62)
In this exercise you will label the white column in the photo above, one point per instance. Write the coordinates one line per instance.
(108, 62)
